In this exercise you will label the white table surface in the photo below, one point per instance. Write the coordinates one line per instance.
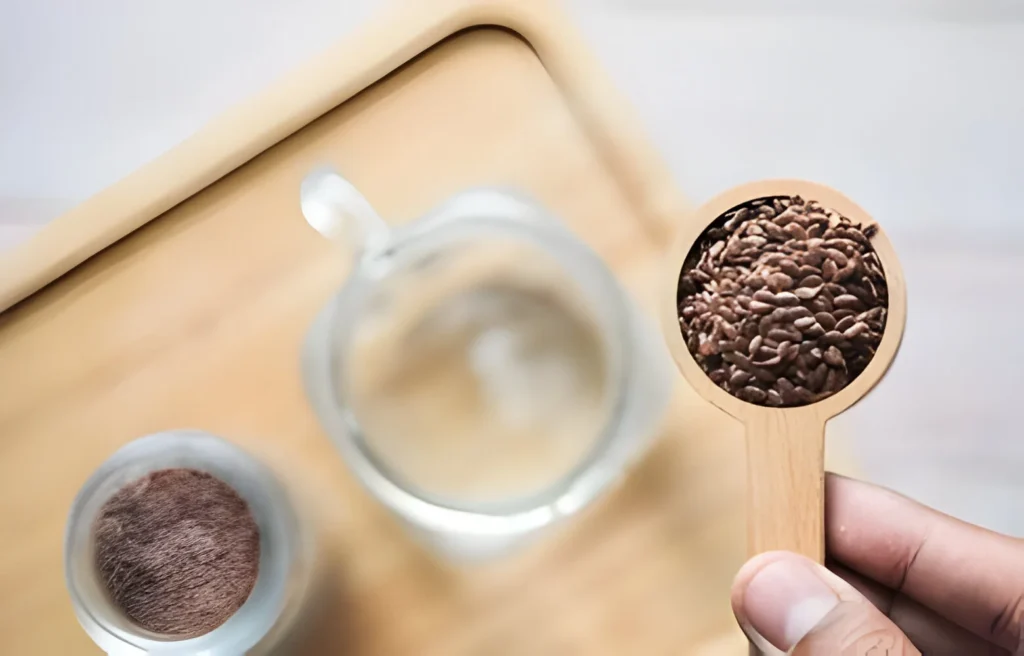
(913, 107)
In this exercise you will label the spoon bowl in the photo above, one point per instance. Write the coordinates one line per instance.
(785, 446)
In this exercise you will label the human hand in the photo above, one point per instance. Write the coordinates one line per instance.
(904, 579)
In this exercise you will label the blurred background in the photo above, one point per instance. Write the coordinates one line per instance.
(915, 108)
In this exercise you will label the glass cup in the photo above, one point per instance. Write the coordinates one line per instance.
(285, 550)
(481, 371)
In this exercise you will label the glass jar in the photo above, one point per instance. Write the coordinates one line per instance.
(481, 371)
(285, 549)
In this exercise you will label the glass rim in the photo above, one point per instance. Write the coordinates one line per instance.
(107, 625)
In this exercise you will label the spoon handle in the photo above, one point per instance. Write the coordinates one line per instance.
(786, 483)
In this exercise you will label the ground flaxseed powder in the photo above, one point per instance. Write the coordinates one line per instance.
(178, 551)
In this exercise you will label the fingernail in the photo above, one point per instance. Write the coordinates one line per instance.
(758, 645)
(786, 600)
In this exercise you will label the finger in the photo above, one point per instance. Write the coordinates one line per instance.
(932, 634)
(967, 574)
(798, 605)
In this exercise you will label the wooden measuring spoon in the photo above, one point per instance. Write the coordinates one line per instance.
(785, 446)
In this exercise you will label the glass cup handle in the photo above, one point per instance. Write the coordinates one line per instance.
(336, 209)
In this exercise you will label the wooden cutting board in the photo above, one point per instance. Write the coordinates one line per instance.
(180, 298)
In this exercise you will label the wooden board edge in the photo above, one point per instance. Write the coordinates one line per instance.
(383, 45)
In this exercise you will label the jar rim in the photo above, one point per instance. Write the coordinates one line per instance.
(252, 480)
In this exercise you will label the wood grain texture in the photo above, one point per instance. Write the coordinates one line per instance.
(785, 446)
(786, 484)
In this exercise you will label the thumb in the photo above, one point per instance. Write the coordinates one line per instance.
(796, 604)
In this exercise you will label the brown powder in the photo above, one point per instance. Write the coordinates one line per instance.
(178, 550)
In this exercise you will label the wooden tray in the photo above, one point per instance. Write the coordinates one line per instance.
(180, 297)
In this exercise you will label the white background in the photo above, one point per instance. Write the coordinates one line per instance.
(915, 108)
